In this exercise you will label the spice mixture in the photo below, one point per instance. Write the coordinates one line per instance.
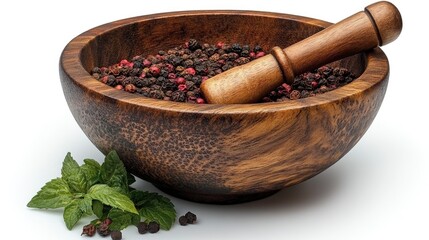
(176, 74)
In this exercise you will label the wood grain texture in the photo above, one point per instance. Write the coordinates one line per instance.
(217, 153)
(379, 24)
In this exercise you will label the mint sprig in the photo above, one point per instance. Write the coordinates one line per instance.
(154, 207)
(104, 191)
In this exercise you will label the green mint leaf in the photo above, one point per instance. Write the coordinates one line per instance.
(113, 173)
(54, 194)
(72, 213)
(121, 219)
(73, 175)
(91, 170)
(111, 197)
(154, 207)
(85, 205)
(97, 208)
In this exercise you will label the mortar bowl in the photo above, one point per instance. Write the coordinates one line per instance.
(217, 153)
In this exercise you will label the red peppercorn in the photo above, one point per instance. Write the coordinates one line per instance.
(260, 54)
(159, 57)
(119, 87)
(180, 80)
(124, 63)
(169, 67)
(190, 71)
(287, 87)
(171, 76)
(154, 70)
(89, 230)
(104, 79)
(314, 84)
(220, 44)
(200, 101)
(182, 87)
(147, 63)
(107, 221)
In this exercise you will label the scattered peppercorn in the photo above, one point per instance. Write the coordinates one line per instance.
(116, 235)
(192, 218)
(142, 227)
(183, 220)
(153, 227)
(176, 74)
(89, 230)
(103, 228)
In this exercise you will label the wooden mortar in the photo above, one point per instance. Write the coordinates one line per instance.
(218, 153)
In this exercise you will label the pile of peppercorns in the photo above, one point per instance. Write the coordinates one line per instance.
(176, 74)
(309, 84)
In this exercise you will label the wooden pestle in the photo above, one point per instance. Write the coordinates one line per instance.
(379, 24)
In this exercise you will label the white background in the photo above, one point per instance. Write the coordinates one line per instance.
(379, 190)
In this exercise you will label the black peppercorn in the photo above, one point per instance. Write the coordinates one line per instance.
(236, 48)
(160, 81)
(111, 81)
(116, 235)
(126, 81)
(257, 48)
(158, 94)
(176, 61)
(139, 83)
(244, 53)
(153, 227)
(137, 64)
(193, 44)
(210, 51)
(183, 220)
(96, 70)
(201, 70)
(188, 63)
(142, 227)
(103, 230)
(192, 218)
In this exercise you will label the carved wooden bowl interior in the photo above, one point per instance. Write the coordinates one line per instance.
(217, 153)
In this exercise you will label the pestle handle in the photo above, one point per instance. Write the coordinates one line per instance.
(379, 24)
